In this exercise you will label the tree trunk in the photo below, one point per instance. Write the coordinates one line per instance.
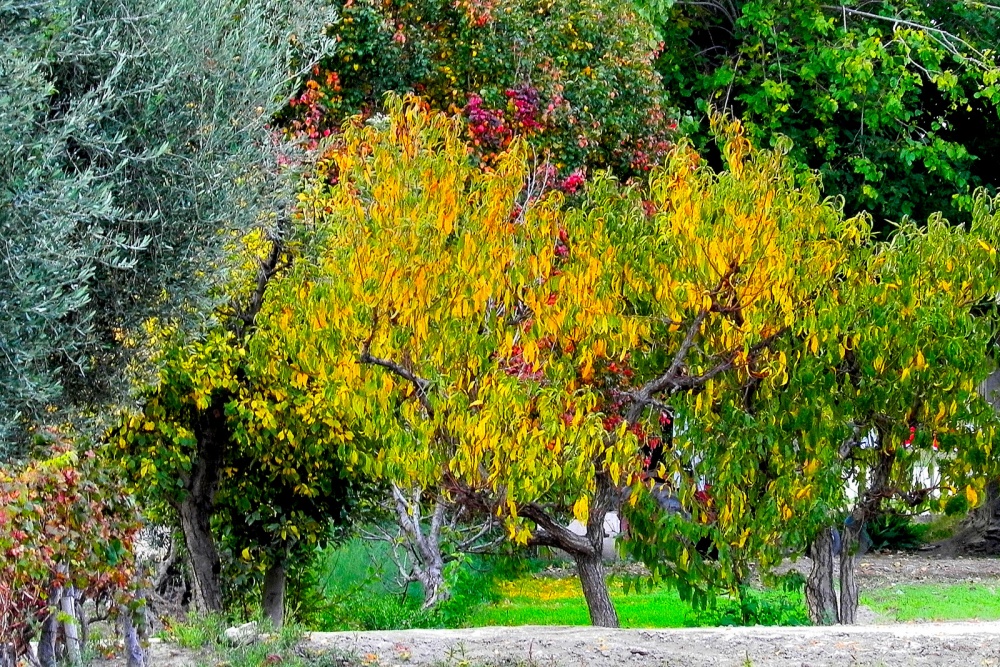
(848, 566)
(47, 640)
(821, 598)
(135, 656)
(589, 563)
(979, 533)
(70, 629)
(198, 506)
(273, 602)
(423, 543)
(590, 567)
(8, 655)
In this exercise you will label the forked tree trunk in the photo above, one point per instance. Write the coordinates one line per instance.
(821, 598)
(198, 506)
(273, 602)
(586, 550)
(423, 543)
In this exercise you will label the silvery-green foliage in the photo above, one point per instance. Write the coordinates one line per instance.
(133, 146)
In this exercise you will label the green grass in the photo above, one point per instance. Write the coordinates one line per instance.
(935, 602)
(360, 594)
(541, 601)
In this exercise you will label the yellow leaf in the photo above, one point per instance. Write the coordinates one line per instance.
(581, 509)
(971, 495)
(246, 554)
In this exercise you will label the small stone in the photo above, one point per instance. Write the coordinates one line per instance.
(242, 635)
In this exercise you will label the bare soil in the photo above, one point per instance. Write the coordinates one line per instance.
(874, 644)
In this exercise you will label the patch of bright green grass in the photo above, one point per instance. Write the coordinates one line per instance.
(541, 601)
(935, 602)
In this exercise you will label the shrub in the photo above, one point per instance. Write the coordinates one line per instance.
(574, 76)
(754, 607)
(64, 521)
(896, 532)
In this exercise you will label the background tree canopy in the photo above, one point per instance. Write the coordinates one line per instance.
(131, 138)
(896, 104)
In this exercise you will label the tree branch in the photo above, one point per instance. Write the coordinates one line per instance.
(553, 533)
(421, 385)
(944, 37)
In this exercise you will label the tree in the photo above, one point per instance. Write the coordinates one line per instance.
(225, 447)
(472, 327)
(132, 136)
(896, 104)
(915, 340)
(576, 78)
(66, 538)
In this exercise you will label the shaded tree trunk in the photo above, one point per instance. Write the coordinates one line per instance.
(979, 533)
(135, 656)
(47, 639)
(7, 655)
(273, 602)
(821, 598)
(198, 506)
(867, 507)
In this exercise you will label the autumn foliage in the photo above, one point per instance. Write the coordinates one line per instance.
(64, 521)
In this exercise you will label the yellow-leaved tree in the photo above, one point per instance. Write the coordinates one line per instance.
(518, 354)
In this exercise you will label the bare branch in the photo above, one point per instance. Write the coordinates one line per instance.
(421, 385)
(942, 37)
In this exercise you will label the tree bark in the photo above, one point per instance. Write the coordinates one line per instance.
(135, 656)
(423, 543)
(590, 568)
(8, 655)
(848, 567)
(198, 506)
(47, 640)
(979, 533)
(586, 550)
(821, 598)
(70, 629)
(273, 602)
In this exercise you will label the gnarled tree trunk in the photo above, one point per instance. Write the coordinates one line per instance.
(424, 544)
(848, 569)
(821, 598)
(979, 533)
(198, 505)
(590, 568)
(586, 550)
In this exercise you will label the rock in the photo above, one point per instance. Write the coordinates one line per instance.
(242, 635)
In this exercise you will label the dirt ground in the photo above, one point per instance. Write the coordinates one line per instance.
(874, 644)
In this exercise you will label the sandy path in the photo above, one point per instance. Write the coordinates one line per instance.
(882, 645)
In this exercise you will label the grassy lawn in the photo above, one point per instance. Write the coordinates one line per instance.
(545, 601)
(935, 602)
